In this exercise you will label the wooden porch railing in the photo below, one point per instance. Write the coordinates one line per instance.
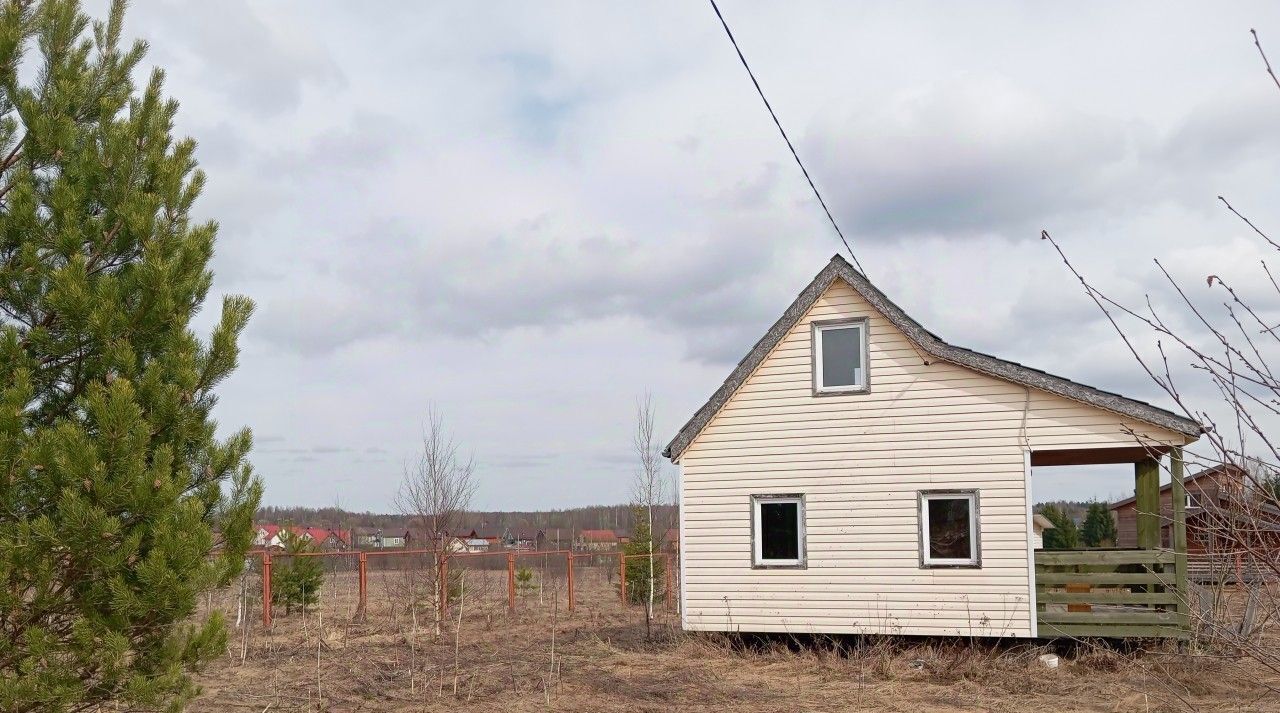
(1112, 593)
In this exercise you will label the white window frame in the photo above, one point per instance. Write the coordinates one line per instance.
(974, 561)
(859, 323)
(757, 540)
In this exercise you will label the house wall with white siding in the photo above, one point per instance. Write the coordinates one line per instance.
(860, 461)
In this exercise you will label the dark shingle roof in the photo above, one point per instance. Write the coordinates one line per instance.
(929, 343)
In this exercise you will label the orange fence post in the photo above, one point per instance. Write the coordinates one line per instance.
(622, 578)
(364, 586)
(568, 561)
(266, 589)
(443, 574)
(511, 582)
(666, 573)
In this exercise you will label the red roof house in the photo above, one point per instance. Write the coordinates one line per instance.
(596, 540)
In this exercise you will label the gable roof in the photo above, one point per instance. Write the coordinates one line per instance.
(933, 346)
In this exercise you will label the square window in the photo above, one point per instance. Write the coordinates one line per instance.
(840, 356)
(777, 537)
(949, 529)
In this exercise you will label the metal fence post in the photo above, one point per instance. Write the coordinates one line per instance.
(266, 589)
(568, 561)
(511, 582)
(622, 578)
(364, 586)
(443, 575)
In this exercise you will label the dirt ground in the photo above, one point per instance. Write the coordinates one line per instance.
(599, 659)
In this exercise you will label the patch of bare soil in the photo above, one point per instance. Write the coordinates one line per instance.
(599, 659)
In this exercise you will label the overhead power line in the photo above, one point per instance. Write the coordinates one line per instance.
(785, 138)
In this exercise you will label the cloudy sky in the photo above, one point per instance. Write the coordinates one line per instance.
(528, 214)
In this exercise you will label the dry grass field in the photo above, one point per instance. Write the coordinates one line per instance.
(598, 659)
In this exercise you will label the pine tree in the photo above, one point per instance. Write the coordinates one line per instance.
(638, 552)
(112, 480)
(1063, 535)
(1099, 528)
(295, 581)
(524, 580)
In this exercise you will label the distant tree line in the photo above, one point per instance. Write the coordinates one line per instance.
(1078, 524)
(569, 520)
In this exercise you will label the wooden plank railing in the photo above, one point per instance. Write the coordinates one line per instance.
(1128, 593)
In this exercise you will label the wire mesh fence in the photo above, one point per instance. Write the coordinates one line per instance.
(418, 588)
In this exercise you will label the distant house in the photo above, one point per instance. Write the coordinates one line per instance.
(855, 473)
(1207, 487)
(521, 544)
(596, 541)
(417, 538)
(328, 539)
(378, 539)
(459, 545)
(496, 539)
(1216, 499)
(1039, 523)
(394, 539)
(263, 535)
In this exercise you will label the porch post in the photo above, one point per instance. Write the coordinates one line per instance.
(1146, 479)
(1178, 492)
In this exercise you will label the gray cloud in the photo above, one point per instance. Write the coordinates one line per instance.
(1225, 132)
(988, 156)
(532, 276)
(332, 449)
(983, 155)
(258, 67)
(532, 460)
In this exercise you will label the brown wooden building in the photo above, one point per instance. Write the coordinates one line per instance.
(1231, 533)
(1217, 486)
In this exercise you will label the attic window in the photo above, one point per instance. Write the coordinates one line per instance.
(840, 356)
(949, 528)
(777, 531)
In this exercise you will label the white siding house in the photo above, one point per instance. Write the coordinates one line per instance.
(856, 474)
(1039, 523)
